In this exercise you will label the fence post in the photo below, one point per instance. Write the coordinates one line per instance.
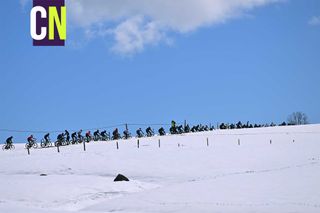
(239, 142)
(58, 148)
(159, 143)
(28, 151)
(138, 143)
(84, 146)
(207, 141)
(293, 141)
(117, 145)
(270, 141)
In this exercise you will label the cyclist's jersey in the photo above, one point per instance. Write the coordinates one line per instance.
(173, 124)
(9, 141)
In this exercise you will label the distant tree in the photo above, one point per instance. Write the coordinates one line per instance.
(298, 118)
(283, 124)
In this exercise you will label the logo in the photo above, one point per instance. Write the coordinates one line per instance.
(48, 23)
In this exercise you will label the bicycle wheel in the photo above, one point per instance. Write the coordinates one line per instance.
(35, 145)
(4, 147)
(43, 144)
(27, 146)
(12, 147)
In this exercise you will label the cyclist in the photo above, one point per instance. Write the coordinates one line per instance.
(31, 140)
(9, 141)
(67, 134)
(187, 128)
(126, 134)
(116, 134)
(161, 131)
(179, 129)
(140, 133)
(80, 137)
(104, 135)
(47, 138)
(60, 138)
(74, 137)
(173, 124)
(96, 135)
(173, 128)
(149, 132)
(88, 136)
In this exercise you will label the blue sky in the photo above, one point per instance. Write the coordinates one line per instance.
(259, 67)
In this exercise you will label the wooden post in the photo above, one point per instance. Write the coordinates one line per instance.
(117, 145)
(178, 144)
(126, 126)
(239, 142)
(84, 146)
(207, 141)
(28, 151)
(138, 143)
(159, 143)
(270, 141)
(58, 148)
(293, 141)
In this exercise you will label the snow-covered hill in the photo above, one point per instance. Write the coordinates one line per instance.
(272, 170)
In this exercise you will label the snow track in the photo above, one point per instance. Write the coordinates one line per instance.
(255, 176)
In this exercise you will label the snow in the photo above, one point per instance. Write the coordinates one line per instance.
(183, 175)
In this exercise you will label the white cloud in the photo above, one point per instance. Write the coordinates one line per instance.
(134, 24)
(314, 21)
(133, 34)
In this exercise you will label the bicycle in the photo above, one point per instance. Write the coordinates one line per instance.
(8, 147)
(88, 139)
(32, 144)
(45, 144)
(97, 138)
(80, 139)
(116, 137)
(105, 137)
(150, 133)
(61, 142)
(126, 136)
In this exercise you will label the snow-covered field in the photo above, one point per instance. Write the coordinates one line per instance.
(183, 175)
